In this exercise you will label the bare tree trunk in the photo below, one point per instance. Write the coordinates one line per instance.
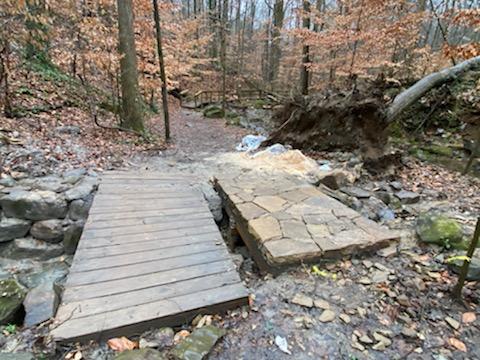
(276, 52)
(304, 76)
(224, 54)
(476, 150)
(132, 112)
(163, 77)
(412, 94)
(457, 291)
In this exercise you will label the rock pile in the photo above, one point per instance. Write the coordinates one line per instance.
(41, 219)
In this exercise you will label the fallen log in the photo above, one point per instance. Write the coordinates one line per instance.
(351, 121)
(408, 97)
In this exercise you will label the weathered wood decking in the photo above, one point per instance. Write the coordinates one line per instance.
(150, 255)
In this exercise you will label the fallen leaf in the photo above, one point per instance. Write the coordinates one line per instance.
(468, 317)
(457, 344)
(122, 344)
(179, 336)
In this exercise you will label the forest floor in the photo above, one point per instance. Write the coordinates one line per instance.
(393, 304)
(399, 297)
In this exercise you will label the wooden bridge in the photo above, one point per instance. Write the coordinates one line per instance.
(207, 97)
(150, 255)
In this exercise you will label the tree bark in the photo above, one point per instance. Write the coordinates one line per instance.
(163, 77)
(132, 112)
(457, 291)
(415, 92)
(224, 54)
(276, 52)
(304, 75)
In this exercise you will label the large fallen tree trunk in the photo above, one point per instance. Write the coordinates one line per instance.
(352, 121)
(415, 92)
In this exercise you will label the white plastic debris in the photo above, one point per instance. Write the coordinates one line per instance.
(251, 142)
(282, 344)
(276, 149)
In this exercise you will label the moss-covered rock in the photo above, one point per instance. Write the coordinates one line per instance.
(199, 344)
(439, 150)
(12, 295)
(142, 354)
(213, 111)
(439, 229)
(259, 104)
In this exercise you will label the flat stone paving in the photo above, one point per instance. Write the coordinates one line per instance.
(284, 220)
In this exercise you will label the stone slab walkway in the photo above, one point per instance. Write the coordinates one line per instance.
(286, 221)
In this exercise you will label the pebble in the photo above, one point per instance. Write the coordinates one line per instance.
(452, 322)
(403, 300)
(321, 304)
(409, 332)
(327, 316)
(302, 300)
(365, 281)
(345, 318)
(382, 339)
(365, 339)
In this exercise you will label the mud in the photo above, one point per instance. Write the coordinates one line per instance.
(345, 122)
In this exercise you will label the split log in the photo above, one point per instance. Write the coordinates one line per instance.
(415, 92)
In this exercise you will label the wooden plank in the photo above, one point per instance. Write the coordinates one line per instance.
(147, 213)
(155, 314)
(125, 285)
(147, 195)
(167, 204)
(100, 203)
(143, 175)
(121, 260)
(145, 246)
(132, 189)
(98, 275)
(139, 221)
(146, 228)
(96, 305)
(189, 231)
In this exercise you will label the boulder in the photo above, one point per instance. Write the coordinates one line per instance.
(432, 227)
(473, 269)
(12, 228)
(72, 236)
(213, 111)
(68, 129)
(82, 189)
(48, 230)
(7, 181)
(376, 209)
(11, 299)
(159, 339)
(34, 205)
(355, 191)
(73, 176)
(79, 208)
(30, 247)
(17, 356)
(40, 304)
(214, 202)
(407, 197)
(334, 179)
(141, 354)
(47, 183)
(199, 343)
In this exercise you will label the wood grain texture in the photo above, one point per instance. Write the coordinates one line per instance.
(150, 255)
